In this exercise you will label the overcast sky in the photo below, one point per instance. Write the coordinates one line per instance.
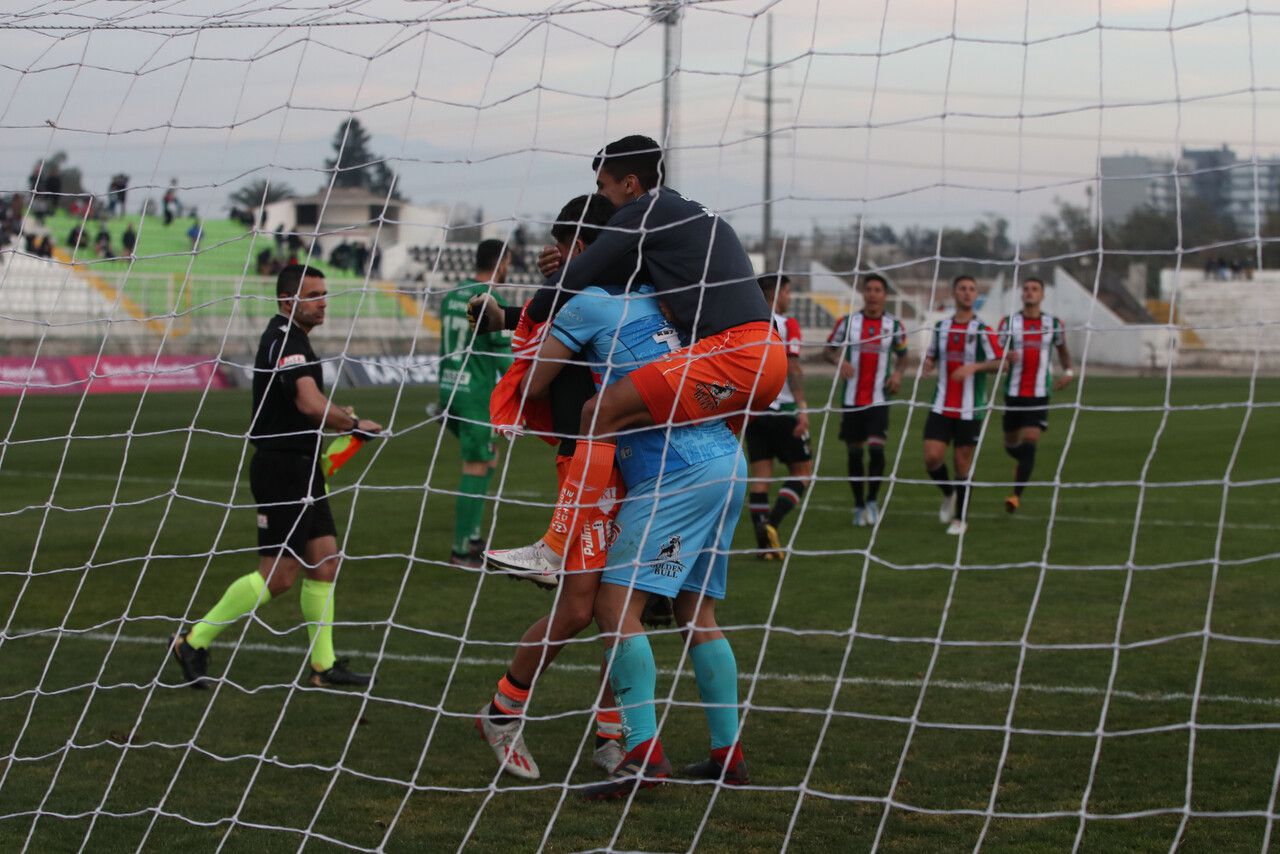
(905, 111)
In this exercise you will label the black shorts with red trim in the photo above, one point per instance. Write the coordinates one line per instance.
(960, 432)
(1022, 412)
(869, 422)
(293, 504)
(773, 436)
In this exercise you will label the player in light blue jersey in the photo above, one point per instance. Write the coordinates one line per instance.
(685, 487)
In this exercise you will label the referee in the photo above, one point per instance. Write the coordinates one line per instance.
(295, 525)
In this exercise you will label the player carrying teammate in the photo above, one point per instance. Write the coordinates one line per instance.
(470, 364)
(685, 485)
(782, 433)
(1030, 335)
(568, 388)
(964, 348)
(697, 265)
(295, 525)
(862, 345)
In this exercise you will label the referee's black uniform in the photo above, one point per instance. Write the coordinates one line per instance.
(285, 474)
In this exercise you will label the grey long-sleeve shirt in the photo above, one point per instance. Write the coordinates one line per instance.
(690, 255)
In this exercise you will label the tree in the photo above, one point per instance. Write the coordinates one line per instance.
(260, 192)
(356, 163)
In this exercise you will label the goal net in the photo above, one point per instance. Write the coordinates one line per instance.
(1075, 651)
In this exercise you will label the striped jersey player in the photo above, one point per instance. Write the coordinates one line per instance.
(963, 348)
(1032, 335)
(782, 433)
(864, 345)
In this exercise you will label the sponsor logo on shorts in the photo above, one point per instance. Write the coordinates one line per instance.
(262, 521)
(711, 395)
(608, 498)
(668, 563)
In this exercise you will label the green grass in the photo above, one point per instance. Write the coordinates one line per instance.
(148, 559)
(165, 277)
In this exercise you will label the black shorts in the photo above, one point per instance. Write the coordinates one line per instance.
(1022, 412)
(293, 508)
(773, 437)
(958, 431)
(859, 425)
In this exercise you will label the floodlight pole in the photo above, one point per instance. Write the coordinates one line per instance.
(667, 13)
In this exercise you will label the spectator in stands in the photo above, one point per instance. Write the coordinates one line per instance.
(170, 201)
(279, 239)
(375, 263)
(266, 262)
(44, 247)
(359, 259)
(295, 245)
(116, 193)
(129, 240)
(75, 237)
(102, 243)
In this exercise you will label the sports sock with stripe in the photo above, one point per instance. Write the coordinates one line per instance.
(875, 470)
(509, 700)
(468, 510)
(855, 477)
(584, 485)
(788, 497)
(241, 596)
(633, 676)
(717, 673)
(317, 609)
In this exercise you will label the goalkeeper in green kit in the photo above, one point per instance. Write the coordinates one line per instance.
(470, 365)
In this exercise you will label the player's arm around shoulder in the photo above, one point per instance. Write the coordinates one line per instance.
(571, 331)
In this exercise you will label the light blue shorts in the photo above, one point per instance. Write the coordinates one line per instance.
(675, 532)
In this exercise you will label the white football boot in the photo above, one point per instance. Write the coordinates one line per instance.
(947, 511)
(957, 527)
(508, 745)
(536, 563)
(609, 755)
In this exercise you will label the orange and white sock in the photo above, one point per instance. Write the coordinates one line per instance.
(584, 485)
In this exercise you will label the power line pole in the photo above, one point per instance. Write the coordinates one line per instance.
(667, 13)
(766, 206)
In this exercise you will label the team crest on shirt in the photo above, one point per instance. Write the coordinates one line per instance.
(668, 563)
(711, 395)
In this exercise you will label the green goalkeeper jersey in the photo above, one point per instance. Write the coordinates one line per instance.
(470, 363)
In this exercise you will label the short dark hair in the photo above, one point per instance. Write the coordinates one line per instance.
(876, 277)
(581, 219)
(489, 254)
(632, 155)
(770, 283)
(289, 282)
(1035, 279)
(963, 277)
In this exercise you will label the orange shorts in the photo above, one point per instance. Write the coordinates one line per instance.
(596, 527)
(721, 376)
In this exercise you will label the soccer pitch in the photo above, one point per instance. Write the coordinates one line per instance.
(92, 743)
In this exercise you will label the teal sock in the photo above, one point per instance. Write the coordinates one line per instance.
(634, 679)
(717, 674)
(468, 510)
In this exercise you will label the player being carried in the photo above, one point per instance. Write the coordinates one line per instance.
(862, 345)
(685, 485)
(964, 349)
(696, 263)
(1030, 336)
(501, 721)
(781, 433)
(296, 532)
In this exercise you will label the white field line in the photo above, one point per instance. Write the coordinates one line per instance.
(982, 687)
(831, 508)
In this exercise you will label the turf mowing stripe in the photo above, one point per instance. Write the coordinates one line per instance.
(951, 684)
(832, 508)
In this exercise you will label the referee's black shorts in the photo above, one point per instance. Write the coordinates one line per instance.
(293, 508)
(774, 436)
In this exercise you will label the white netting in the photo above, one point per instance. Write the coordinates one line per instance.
(1093, 671)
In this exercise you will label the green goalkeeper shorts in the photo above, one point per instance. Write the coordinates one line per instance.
(471, 426)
